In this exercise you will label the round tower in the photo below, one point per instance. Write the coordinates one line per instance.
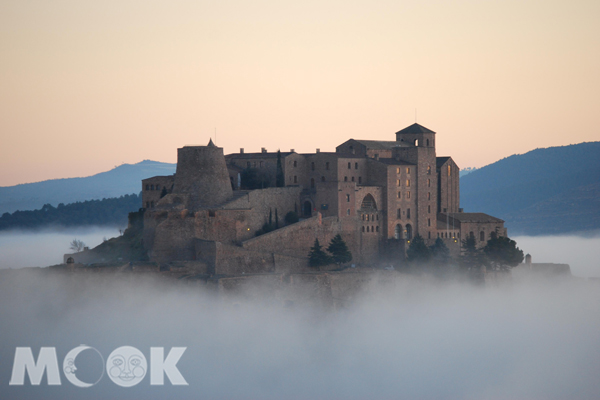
(202, 174)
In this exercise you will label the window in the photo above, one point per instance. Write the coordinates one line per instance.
(408, 170)
(295, 179)
(147, 204)
(352, 179)
(348, 212)
(363, 228)
(481, 236)
(367, 228)
(377, 228)
(322, 179)
(348, 198)
(428, 146)
(147, 187)
(398, 170)
(363, 217)
(429, 222)
(399, 214)
(151, 187)
(428, 170)
(356, 165)
(428, 182)
(398, 182)
(398, 232)
(367, 217)
(428, 235)
(360, 179)
(449, 169)
(295, 164)
(408, 183)
(312, 182)
(428, 195)
(408, 213)
(408, 195)
(327, 166)
(312, 166)
(399, 195)
(349, 165)
(429, 209)
(345, 179)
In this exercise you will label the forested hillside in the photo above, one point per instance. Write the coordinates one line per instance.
(105, 212)
(124, 179)
(543, 191)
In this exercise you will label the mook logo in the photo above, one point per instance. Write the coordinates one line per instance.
(126, 366)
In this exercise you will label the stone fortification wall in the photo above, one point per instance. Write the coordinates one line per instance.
(173, 237)
(202, 173)
(296, 240)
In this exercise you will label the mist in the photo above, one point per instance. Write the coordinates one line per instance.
(403, 337)
(40, 248)
(581, 252)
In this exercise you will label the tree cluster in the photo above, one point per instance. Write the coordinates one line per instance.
(339, 253)
(111, 211)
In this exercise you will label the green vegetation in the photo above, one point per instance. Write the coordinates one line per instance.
(440, 255)
(291, 218)
(339, 251)
(502, 253)
(112, 211)
(418, 252)
(317, 257)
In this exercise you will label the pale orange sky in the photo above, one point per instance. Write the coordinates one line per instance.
(88, 85)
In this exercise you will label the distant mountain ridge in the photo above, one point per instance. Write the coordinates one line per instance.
(551, 190)
(119, 181)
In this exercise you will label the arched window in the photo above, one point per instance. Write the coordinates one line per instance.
(367, 229)
(398, 232)
(409, 231)
(368, 203)
(377, 228)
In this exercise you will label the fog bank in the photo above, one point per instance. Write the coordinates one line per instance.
(46, 247)
(408, 338)
(582, 253)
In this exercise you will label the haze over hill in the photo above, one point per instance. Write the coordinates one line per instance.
(122, 180)
(545, 191)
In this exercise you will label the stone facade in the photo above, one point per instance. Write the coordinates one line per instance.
(377, 194)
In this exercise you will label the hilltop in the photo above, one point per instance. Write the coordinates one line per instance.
(545, 191)
(122, 180)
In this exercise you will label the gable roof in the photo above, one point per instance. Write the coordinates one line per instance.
(415, 129)
(439, 161)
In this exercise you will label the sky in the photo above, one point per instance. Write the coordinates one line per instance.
(88, 85)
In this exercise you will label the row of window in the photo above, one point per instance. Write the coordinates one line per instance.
(399, 213)
(449, 235)
(149, 204)
(373, 217)
(352, 180)
(254, 164)
(152, 187)
(407, 195)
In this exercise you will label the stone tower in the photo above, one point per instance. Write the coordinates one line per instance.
(202, 175)
(421, 152)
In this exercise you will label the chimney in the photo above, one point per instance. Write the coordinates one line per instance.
(241, 150)
(318, 150)
(263, 150)
(292, 151)
(528, 259)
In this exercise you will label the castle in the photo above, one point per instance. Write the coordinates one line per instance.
(376, 194)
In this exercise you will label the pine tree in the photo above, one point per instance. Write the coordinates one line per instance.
(339, 251)
(317, 257)
(279, 178)
(418, 252)
(471, 258)
(502, 253)
(276, 220)
(439, 253)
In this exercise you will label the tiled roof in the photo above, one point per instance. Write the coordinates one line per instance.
(472, 217)
(415, 129)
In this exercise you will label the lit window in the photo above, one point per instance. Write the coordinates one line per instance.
(408, 195)
(397, 170)
(348, 198)
(367, 217)
(449, 169)
(428, 195)
(428, 170)
(398, 182)
(408, 183)
(408, 170)
(399, 195)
